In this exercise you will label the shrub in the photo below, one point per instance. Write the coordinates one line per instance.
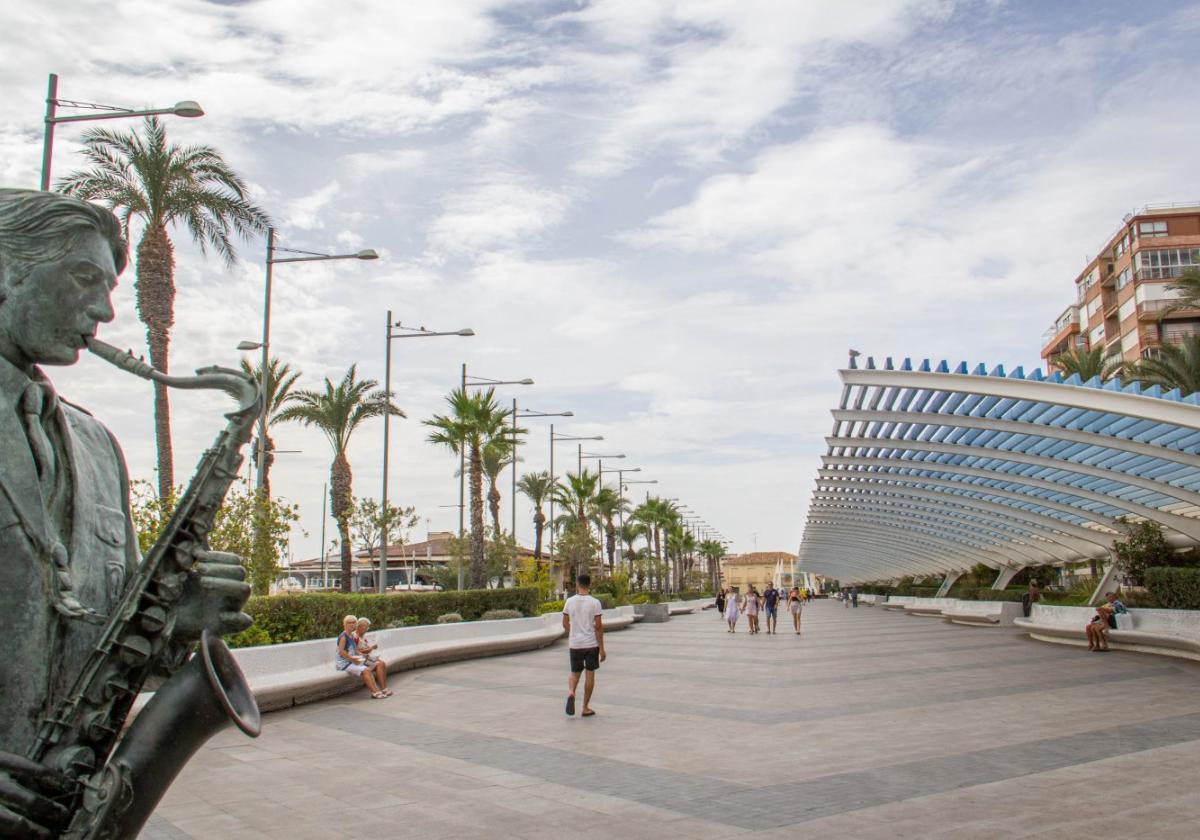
(449, 618)
(252, 636)
(318, 615)
(1174, 588)
(607, 601)
(498, 615)
(550, 607)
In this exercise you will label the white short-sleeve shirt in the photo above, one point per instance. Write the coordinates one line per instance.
(583, 610)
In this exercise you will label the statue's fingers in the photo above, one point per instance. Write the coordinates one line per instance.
(223, 558)
(33, 775)
(14, 825)
(235, 622)
(220, 570)
(38, 807)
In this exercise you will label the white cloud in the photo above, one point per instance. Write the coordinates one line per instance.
(497, 215)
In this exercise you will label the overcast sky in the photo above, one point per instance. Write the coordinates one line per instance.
(675, 216)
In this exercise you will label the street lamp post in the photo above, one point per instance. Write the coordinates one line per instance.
(557, 438)
(261, 448)
(516, 414)
(185, 108)
(395, 331)
(599, 482)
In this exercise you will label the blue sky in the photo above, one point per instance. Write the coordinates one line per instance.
(675, 216)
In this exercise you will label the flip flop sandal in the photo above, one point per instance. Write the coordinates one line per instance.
(378, 695)
(387, 692)
(588, 713)
(570, 704)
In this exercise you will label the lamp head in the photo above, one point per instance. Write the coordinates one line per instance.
(526, 381)
(187, 108)
(249, 345)
(466, 332)
(568, 414)
(367, 254)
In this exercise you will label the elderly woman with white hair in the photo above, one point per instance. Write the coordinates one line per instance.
(354, 663)
(370, 657)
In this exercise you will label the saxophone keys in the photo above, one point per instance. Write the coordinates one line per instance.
(153, 619)
(97, 726)
(135, 651)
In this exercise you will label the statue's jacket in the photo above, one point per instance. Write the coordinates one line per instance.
(43, 651)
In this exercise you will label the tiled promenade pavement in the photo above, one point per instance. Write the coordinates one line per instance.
(870, 724)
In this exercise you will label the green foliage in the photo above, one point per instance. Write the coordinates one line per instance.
(1144, 546)
(550, 607)
(576, 548)
(368, 520)
(1171, 366)
(406, 621)
(1089, 363)
(318, 615)
(533, 574)
(252, 636)
(1174, 588)
(449, 618)
(233, 527)
(500, 615)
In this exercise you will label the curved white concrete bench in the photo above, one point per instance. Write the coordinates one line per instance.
(897, 602)
(680, 607)
(872, 600)
(1164, 632)
(983, 613)
(929, 607)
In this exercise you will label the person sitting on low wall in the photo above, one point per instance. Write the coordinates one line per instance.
(370, 654)
(1097, 629)
(350, 661)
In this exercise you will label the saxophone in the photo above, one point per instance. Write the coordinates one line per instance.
(120, 776)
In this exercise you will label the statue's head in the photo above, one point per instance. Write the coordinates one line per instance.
(59, 262)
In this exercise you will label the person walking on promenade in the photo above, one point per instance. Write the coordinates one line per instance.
(771, 607)
(845, 598)
(752, 609)
(731, 609)
(854, 596)
(585, 628)
(795, 606)
(721, 603)
(808, 595)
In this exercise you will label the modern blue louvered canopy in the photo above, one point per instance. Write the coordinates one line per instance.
(932, 470)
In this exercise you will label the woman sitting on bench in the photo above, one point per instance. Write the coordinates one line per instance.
(350, 661)
(1097, 629)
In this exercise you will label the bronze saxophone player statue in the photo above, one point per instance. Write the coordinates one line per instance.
(84, 620)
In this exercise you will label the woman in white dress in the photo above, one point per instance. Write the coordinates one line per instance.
(731, 609)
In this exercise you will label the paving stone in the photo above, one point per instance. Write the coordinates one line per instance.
(869, 724)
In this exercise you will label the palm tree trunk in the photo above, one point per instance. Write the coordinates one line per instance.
(494, 507)
(155, 287)
(341, 504)
(478, 563)
(539, 525)
(270, 447)
(610, 543)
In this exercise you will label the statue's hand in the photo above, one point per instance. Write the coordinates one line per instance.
(27, 794)
(214, 597)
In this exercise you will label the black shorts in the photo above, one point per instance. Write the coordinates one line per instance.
(582, 658)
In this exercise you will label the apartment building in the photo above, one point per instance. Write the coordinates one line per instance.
(1121, 297)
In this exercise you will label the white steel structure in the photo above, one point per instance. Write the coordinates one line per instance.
(931, 471)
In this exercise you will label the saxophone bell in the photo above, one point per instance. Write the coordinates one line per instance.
(198, 701)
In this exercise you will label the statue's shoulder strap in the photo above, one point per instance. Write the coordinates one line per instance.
(76, 406)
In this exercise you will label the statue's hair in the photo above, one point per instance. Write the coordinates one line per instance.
(39, 227)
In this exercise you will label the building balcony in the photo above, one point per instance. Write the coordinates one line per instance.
(1153, 310)
(1151, 338)
(1058, 339)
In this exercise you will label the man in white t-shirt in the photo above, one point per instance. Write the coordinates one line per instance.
(581, 620)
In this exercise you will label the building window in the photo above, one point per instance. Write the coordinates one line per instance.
(1127, 308)
(1166, 263)
(1152, 229)
(1092, 306)
(1124, 278)
(1096, 336)
(1129, 341)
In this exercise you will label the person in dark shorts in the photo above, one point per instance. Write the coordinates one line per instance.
(771, 606)
(585, 630)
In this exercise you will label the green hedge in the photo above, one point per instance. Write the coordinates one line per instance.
(1174, 588)
(318, 615)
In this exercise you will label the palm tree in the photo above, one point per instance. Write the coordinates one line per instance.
(1088, 363)
(281, 379)
(497, 455)
(537, 487)
(1171, 366)
(606, 505)
(337, 412)
(630, 532)
(576, 494)
(142, 176)
(712, 551)
(475, 419)
(656, 514)
(1188, 286)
